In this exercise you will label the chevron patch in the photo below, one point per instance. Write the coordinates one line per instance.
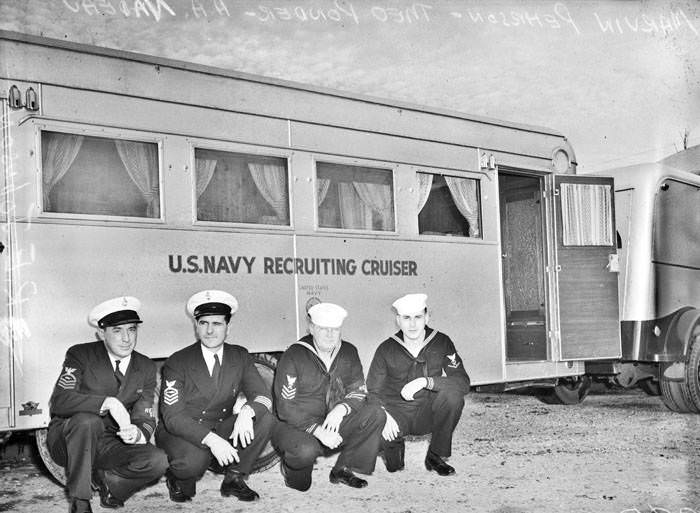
(289, 391)
(67, 380)
(170, 394)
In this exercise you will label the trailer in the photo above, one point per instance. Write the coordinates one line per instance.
(658, 214)
(132, 174)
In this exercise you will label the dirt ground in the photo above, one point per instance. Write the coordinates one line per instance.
(617, 452)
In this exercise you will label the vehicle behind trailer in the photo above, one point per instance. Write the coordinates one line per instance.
(134, 175)
(658, 224)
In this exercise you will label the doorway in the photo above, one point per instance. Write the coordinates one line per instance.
(523, 261)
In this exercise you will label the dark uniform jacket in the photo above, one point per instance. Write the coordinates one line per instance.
(87, 379)
(393, 366)
(191, 403)
(305, 390)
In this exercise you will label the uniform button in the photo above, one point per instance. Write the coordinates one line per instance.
(200, 420)
(220, 420)
(204, 412)
(224, 410)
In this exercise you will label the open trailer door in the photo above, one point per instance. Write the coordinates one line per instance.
(587, 270)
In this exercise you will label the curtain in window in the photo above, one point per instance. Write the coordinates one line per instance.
(586, 215)
(354, 213)
(140, 161)
(377, 196)
(204, 173)
(322, 186)
(463, 191)
(271, 181)
(58, 153)
(425, 182)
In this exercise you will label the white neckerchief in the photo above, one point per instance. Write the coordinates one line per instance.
(123, 362)
(209, 356)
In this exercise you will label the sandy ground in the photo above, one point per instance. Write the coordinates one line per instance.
(616, 452)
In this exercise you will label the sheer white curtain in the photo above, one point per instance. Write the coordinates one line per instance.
(203, 174)
(425, 182)
(377, 196)
(58, 154)
(354, 213)
(322, 186)
(586, 215)
(141, 163)
(271, 181)
(463, 191)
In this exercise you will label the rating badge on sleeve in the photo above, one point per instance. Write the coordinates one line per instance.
(170, 394)
(67, 380)
(289, 391)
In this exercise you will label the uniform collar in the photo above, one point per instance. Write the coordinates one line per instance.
(209, 356)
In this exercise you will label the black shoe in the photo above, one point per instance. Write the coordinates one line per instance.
(80, 506)
(176, 493)
(344, 475)
(394, 455)
(436, 463)
(234, 484)
(107, 500)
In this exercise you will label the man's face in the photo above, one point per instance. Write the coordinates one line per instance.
(413, 325)
(326, 339)
(120, 340)
(212, 330)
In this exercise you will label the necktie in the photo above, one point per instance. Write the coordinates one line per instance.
(118, 373)
(216, 370)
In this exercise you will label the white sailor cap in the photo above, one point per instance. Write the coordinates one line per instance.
(411, 304)
(327, 315)
(116, 311)
(211, 302)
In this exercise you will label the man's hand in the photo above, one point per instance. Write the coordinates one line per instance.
(116, 409)
(243, 427)
(410, 388)
(391, 428)
(131, 435)
(223, 451)
(330, 439)
(334, 418)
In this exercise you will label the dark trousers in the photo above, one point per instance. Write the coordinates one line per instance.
(437, 413)
(361, 432)
(81, 444)
(189, 462)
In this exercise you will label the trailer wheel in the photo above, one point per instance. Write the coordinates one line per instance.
(672, 395)
(56, 470)
(266, 364)
(567, 391)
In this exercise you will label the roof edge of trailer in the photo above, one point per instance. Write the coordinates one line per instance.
(249, 77)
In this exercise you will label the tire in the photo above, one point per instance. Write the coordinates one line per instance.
(56, 470)
(692, 369)
(650, 386)
(266, 365)
(567, 391)
(672, 395)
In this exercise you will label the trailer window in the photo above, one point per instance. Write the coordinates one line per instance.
(354, 197)
(586, 211)
(100, 176)
(448, 205)
(241, 188)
